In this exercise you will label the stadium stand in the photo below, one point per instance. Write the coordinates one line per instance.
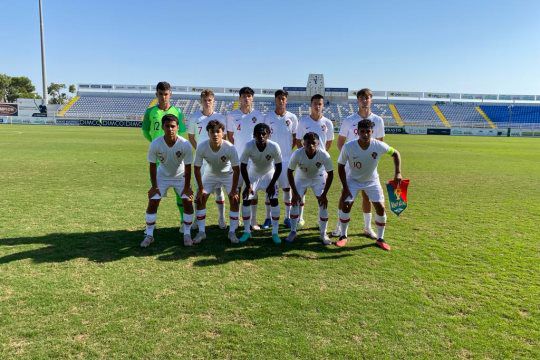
(418, 114)
(399, 113)
(516, 116)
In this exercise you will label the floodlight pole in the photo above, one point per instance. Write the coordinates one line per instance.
(43, 72)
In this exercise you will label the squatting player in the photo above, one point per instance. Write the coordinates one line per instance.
(283, 126)
(265, 157)
(314, 170)
(197, 133)
(240, 124)
(151, 125)
(348, 132)
(222, 171)
(362, 156)
(315, 122)
(174, 171)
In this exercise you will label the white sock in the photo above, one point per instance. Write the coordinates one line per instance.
(253, 215)
(220, 203)
(246, 216)
(294, 217)
(150, 223)
(275, 219)
(323, 220)
(344, 219)
(201, 220)
(287, 202)
(233, 217)
(188, 221)
(301, 214)
(367, 220)
(380, 221)
(268, 209)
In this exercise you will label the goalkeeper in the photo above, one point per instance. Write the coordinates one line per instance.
(151, 125)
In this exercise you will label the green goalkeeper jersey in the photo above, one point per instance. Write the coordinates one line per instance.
(151, 126)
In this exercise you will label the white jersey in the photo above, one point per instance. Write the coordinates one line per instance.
(363, 163)
(282, 129)
(241, 125)
(262, 161)
(349, 126)
(171, 158)
(322, 127)
(219, 162)
(197, 124)
(310, 168)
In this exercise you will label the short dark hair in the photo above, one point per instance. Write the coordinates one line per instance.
(311, 136)
(246, 90)
(316, 97)
(163, 85)
(261, 127)
(206, 93)
(364, 93)
(366, 124)
(169, 117)
(281, 93)
(213, 124)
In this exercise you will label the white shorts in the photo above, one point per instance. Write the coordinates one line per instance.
(204, 168)
(373, 189)
(212, 182)
(165, 184)
(260, 182)
(316, 184)
(283, 180)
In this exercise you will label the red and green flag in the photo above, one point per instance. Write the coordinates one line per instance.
(397, 195)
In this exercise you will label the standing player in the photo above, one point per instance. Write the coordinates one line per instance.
(265, 156)
(220, 155)
(197, 133)
(315, 171)
(283, 126)
(240, 125)
(362, 156)
(174, 170)
(348, 132)
(151, 125)
(318, 124)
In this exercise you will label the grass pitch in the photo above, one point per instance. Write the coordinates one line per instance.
(462, 280)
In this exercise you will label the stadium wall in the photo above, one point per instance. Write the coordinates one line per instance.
(410, 130)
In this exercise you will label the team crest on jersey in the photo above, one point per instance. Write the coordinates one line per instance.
(223, 158)
(161, 157)
(323, 127)
(254, 119)
(178, 154)
(318, 164)
(374, 155)
(287, 122)
(268, 157)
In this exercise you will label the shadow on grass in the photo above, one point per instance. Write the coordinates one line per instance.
(109, 246)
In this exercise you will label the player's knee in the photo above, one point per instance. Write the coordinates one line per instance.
(246, 202)
(379, 208)
(188, 206)
(152, 207)
(274, 202)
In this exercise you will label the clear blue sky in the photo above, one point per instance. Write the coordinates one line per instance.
(459, 46)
